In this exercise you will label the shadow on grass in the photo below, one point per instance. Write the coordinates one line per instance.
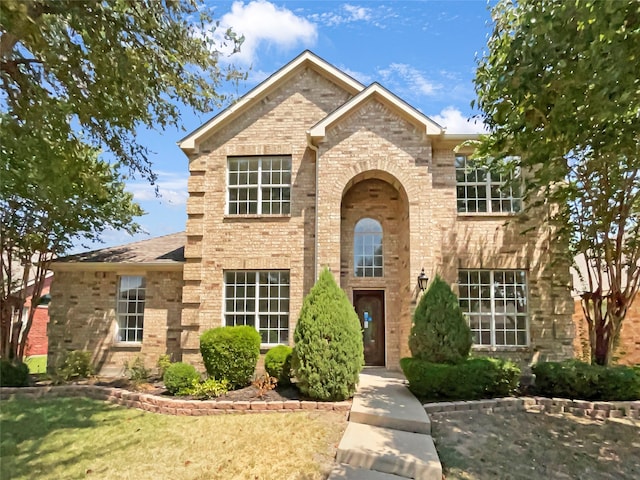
(532, 446)
(26, 426)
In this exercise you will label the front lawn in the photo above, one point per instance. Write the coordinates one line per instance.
(65, 438)
(536, 446)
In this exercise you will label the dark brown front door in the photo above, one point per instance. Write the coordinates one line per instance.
(369, 305)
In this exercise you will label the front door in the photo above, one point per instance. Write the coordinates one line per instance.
(369, 305)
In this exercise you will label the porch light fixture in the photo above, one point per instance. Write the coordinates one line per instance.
(422, 281)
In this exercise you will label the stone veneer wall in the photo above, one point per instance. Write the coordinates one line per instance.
(215, 242)
(83, 317)
(372, 142)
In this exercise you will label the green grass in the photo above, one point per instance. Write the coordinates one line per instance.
(69, 438)
(37, 363)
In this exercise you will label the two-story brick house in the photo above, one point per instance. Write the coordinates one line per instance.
(312, 169)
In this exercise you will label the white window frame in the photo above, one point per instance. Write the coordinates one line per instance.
(368, 238)
(521, 318)
(251, 301)
(481, 178)
(259, 186)
(123, 310)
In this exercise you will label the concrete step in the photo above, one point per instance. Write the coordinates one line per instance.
(407, 454)
(388, 404)
(347, 472)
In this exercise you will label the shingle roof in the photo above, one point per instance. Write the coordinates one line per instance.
(168, 248)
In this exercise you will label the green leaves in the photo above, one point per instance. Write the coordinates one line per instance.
(559, 87)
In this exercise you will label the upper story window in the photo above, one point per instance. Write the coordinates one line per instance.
(259, 299)
(259, 185)
(130, 308)
(495, 304)
(479, 191)
(367, 248)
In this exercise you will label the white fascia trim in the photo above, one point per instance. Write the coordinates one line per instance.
(190, 143)
(318, 131)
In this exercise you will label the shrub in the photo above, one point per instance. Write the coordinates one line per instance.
(264, 383)
(231, 353)
(179, 376)
(277, 363)
(13, 374)
(472, 379)
(210, 388)
(579, 380)
(440, 333)
(164, 362)
(76, 364)
(328, 353)
(136, 371)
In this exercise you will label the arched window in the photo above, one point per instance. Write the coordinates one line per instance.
(367, 248)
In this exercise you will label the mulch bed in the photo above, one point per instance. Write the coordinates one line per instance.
(250, 393)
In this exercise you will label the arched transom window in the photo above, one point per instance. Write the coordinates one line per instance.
(367, 248)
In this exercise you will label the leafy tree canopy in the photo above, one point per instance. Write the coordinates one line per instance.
(101, 69)
(559, 89)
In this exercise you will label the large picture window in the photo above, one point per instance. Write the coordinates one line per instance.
(259, 299)
(130, 308)
(259, 185)
(495, 304)
(367, 248)
(479, 191)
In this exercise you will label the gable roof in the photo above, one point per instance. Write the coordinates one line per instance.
(191, 143)
(159, 251)
(375, 90)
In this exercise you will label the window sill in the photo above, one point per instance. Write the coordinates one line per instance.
(487, 214)
(127, 345)
(251, 217)
(500, 348)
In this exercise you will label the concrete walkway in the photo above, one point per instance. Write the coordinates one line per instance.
(388, 435)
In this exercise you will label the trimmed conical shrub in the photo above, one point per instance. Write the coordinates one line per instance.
(440, 333)
(328, 353)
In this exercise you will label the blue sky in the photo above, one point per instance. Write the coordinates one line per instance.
(423, 51)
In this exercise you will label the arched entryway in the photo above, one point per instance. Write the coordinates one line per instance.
(374, 261)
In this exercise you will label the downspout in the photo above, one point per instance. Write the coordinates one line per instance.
(315, 220)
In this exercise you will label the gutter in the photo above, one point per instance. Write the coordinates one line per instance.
(315, 239)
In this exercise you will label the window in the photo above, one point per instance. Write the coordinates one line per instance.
(478, 191)
(495, 304)
(259, 299)
(259, 185)
(130, 308)
(367, 248)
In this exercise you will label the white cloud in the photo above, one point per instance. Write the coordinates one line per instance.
(347, 13)
(264, 24)
(408, 79)
(172, 188)
(363, 78)
(452, 119)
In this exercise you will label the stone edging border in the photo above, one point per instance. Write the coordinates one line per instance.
(170, 406)
(582, 408)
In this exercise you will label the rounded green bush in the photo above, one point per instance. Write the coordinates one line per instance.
(328, 353)
(472, 379)
(231, 353)
(578, 380)
(440, 333)
(179, 376)
(13, 374)
(277, 363)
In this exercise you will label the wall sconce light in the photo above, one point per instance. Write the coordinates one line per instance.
(422, 281)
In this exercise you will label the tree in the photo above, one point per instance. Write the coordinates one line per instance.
(559, 91)
(328, 353)
(440, 333)
(79, 77)
(49, 199)
(102, 69)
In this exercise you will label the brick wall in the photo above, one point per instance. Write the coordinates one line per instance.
(83, 317)
(37, 339)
